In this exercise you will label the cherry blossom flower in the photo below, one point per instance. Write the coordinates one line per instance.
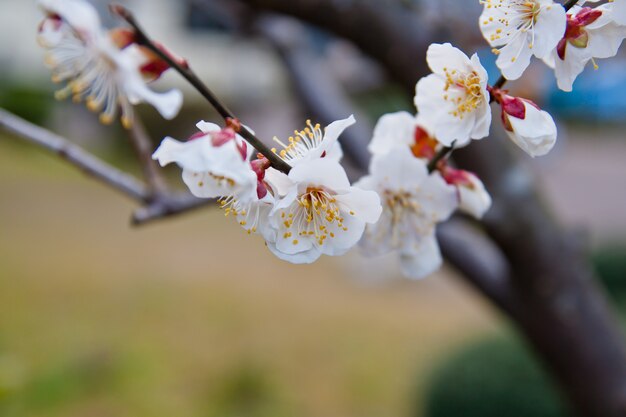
(320, 214)
(214, 163)
(472, 196)
(312, 142)
(103, 68)
(591, 33)
(519, 29)
(405, 131)
(414, 201)
(454, 99)
(529, 127)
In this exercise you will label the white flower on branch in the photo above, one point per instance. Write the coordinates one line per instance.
(106, 69)
(591, 33)
(214, 163)
(529, 127)
(312, 142)
(454, 98)
(414, 201)
(404, 131)
(519, 29)
(471, 193)
(320, 213)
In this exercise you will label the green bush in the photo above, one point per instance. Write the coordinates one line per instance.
(610, 265)
(493, 378)
(30, 102)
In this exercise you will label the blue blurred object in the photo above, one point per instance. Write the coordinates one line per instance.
(598, 95)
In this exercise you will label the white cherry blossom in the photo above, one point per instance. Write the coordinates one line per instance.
(519, 29)
(312, 142)
(214, 164)
(393, 130)
(591, 33)
(454, 99)
(414, 201)
(405, 131)
(320, 214)
(529, 127)
(471, 192)
(95, 69)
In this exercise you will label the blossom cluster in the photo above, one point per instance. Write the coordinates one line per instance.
(312, 209)
(106, 69)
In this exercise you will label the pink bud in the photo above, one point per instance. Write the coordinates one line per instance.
(513, 106)
(587, 16)
(259, 166)
(457, 177)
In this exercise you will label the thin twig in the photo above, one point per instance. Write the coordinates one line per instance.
(157, 205)
(75, 155)
(143, 149)
(169, 207)
(440, 156)
(184, 70)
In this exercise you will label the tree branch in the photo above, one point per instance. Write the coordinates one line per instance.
(143, 149)
(192, 78)
(155, 205)
(75, 155)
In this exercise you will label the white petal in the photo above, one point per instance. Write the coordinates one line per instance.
(605, 42)
(331, 135)
(438, 198)
(483, 122)
(398, 169)
(536, 134)
(549, 29)
(514, 58)
(168, 103)
(423, 262)
(321, 172)
(393, 130)
(474, 200)
(440, 56)
(79, 14)
(189, 155)
(566, 71)
(364, 204)
(291, 245)
(279, 181)
(378, 238)
(207, 127)
(306, 257)
(344, 238)
(619, 11)
(430, 102)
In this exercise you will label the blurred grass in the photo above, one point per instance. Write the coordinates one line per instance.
(192, 318)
